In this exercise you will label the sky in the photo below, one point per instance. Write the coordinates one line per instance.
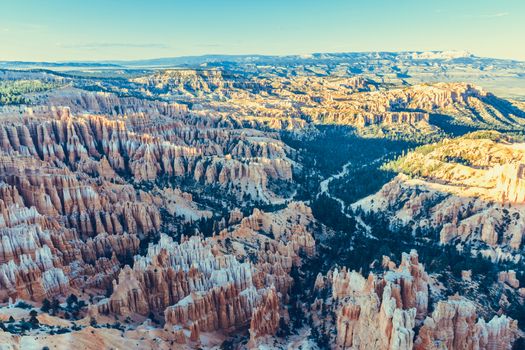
(74, 30)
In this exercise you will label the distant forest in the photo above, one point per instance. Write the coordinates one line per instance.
(13, 92)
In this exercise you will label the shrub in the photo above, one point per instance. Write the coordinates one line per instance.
(23, 305)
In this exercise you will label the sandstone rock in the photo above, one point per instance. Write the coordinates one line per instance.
(465, 200)
(454, 325)
(509, 277)
(265, 318)
(378, 313)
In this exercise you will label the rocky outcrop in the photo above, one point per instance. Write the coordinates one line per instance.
(79, 101)
(186, 81)
(509, 277)
(206, 150)
(377, 312)
(62, 231)
(265, 318)
(201, 285)
(460, 189)
(382, 312)
(398, 106)
(72, 212)
(275, 240)
(194, 286)
(181, 204)
(454, 324)
(88, 206)
(454, 217)
(171, 272)
(511, 183)
(283, 102)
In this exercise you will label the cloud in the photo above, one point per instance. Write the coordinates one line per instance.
(91, 46)
(487, 15)
(208, 45)
(495, 15)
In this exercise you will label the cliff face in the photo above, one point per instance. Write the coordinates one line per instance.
(265, 317)
(398, 106)
(89, 206)
(79, 101)
(511, 183)
(467, 189)
(186, 82)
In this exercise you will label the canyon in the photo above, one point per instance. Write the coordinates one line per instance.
(208, 207)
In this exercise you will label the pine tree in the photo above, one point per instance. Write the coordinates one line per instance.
(46, 305)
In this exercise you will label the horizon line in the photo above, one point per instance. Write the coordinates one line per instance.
(108, 61)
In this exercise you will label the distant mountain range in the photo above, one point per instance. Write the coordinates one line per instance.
(502, 76)
(448, 56)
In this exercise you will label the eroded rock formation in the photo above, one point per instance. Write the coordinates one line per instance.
(97, 191)
(454, 324)
(460, 189)
(201, 285)
(382, 312)
(377, 312)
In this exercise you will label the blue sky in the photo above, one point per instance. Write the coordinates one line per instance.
(47, 30)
